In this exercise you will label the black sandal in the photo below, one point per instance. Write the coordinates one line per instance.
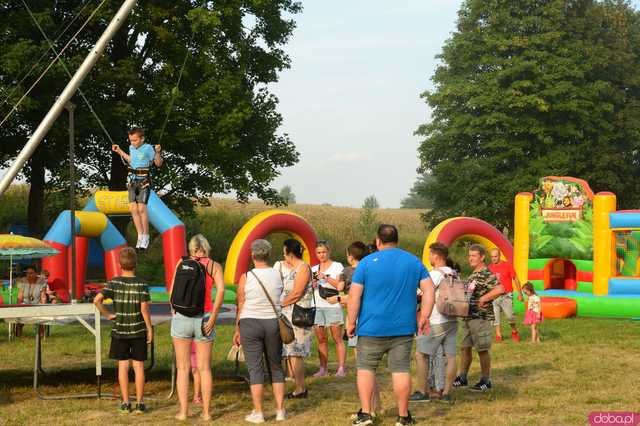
(300, 395)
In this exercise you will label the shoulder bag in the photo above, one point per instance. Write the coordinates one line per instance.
(304, 317)
(286, 329)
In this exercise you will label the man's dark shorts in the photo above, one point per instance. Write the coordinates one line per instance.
(124, 349)
(398, 349)
(139, 191)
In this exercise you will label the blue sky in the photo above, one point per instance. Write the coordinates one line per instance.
(351, 101)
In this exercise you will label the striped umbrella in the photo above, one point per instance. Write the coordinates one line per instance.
(20, 247)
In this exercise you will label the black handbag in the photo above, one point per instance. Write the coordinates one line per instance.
(304, 317)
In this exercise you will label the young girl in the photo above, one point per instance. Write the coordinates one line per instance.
(533, 316)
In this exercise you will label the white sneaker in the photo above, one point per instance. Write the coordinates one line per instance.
(144, 243)
(139, 241)
(281, 415)
(254, 417)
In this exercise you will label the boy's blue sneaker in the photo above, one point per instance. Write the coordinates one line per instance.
(140, 408)
(125, 408)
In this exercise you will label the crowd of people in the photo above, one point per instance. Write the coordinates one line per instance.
(390, 300)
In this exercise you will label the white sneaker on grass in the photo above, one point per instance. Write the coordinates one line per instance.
(254, 417)
(139, 241)
(281, 415)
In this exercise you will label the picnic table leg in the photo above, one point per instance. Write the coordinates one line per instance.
(39, 349)
(36, 366)
(96, 326)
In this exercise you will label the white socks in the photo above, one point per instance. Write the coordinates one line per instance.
(143, 241)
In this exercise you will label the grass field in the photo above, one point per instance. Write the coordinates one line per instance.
(583, 365)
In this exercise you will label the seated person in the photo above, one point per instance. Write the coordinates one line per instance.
(31, 287)
(48, 295)
(31, 290)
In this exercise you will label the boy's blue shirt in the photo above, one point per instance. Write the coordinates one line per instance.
(141, 157)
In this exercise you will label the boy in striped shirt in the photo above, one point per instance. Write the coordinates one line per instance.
(131, 332)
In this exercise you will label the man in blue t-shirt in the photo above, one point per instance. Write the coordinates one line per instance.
(140, 158)
(383, 300)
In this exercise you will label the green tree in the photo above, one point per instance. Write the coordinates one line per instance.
(418, 197)
(287, 195)
(529, 88)
(371, 202)
(367, 221)
(222, 131)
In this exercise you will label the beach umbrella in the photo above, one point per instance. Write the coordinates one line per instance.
(15, 247)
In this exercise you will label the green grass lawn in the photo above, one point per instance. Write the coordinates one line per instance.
(582, 365)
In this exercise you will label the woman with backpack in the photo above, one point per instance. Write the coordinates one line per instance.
(194, 319)
(259, 292)
(442, 334)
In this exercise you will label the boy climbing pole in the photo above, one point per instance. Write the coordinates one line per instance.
(140, 158)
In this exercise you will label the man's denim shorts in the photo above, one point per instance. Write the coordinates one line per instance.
(190, 328)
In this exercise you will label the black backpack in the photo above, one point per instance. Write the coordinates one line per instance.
(189, 288)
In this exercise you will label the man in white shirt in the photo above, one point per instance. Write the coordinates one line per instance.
(443, 333)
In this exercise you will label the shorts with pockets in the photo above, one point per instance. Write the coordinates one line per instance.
(184, 327)
(329, 316)
(439, 334)
(371, 349)
(125, 349)
(139, 190)
(478, 333)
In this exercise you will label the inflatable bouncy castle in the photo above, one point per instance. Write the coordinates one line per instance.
(93, 222)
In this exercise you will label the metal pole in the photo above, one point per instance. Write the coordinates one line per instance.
(72, 196)
(66, 94)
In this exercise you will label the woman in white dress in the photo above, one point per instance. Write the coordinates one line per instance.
(296, 277)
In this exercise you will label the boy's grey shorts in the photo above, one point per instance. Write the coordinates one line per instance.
(371, 349)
